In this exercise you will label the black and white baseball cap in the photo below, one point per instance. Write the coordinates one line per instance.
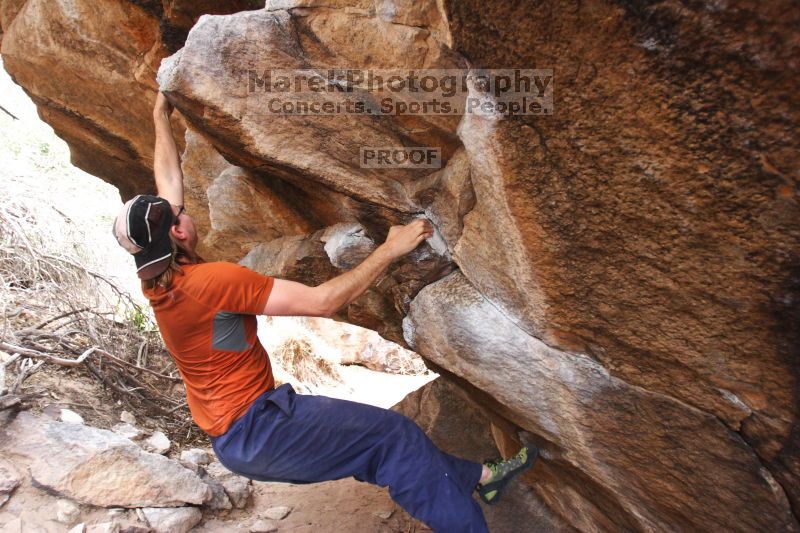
(142, 228)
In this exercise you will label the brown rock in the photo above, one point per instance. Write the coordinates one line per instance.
(631, 458)
(233, 209)
(647, 231)
(652, 220)
(106, 55)
(101, 100)
(208, 81)
(97, 466)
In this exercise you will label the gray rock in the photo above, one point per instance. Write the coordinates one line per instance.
(70, 417)
(99, 467)
(128, 418)
(10, 479)
(172, 520)
(276, 513)
(263, 526)
(79, 528)
(347, 245)
(196, 455)
(237, 488)
(128, 431)
(157, 443)
(219, 497)
(67, 512)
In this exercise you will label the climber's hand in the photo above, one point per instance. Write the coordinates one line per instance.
(162, 107)
(403, 239)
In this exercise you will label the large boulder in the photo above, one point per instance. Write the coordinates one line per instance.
(651, 223)
(98, 467)
(211, 80)
(656, 462)
(234, 210)
(628, 290)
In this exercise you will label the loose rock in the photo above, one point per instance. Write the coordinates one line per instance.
(263, 526)
(128, 431)
(157, 443)
(172, 520)
(70, 417)
(277, 513)
(196, 455)
(127, 417)
(67, 512)
(237, 487)
(219, 499)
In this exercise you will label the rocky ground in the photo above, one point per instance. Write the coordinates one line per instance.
(59, 475)
(76, 458)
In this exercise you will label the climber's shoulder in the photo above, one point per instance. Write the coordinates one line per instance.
(220, 272)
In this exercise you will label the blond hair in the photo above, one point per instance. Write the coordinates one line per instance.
(179, 257)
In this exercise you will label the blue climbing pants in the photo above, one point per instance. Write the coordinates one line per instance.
(299, 438)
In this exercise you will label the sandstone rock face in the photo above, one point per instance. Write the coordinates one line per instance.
(209, 80)
(106, 54)
(646, 454)
(628, 293)
(660, 234)
(97, 466)
(234, 210)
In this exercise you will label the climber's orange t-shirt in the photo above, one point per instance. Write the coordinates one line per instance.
(207, 319)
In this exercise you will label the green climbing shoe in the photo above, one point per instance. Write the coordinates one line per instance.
(503, 472)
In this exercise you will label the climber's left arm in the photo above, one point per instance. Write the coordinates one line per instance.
(166, 161)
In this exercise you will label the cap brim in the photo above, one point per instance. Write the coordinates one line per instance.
(155, 260)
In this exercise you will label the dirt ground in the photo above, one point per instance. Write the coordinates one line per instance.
(346, 505)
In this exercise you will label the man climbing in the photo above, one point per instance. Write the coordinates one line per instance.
(206, 313)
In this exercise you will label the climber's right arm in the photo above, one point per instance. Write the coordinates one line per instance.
(166, 161)
(289, 298)
(296, 299)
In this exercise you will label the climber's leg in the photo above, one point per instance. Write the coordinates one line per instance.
(302, 439)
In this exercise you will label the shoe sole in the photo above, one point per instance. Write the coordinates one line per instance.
(502, 485)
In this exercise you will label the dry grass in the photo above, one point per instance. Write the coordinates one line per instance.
(296, 357)
(58, 315)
